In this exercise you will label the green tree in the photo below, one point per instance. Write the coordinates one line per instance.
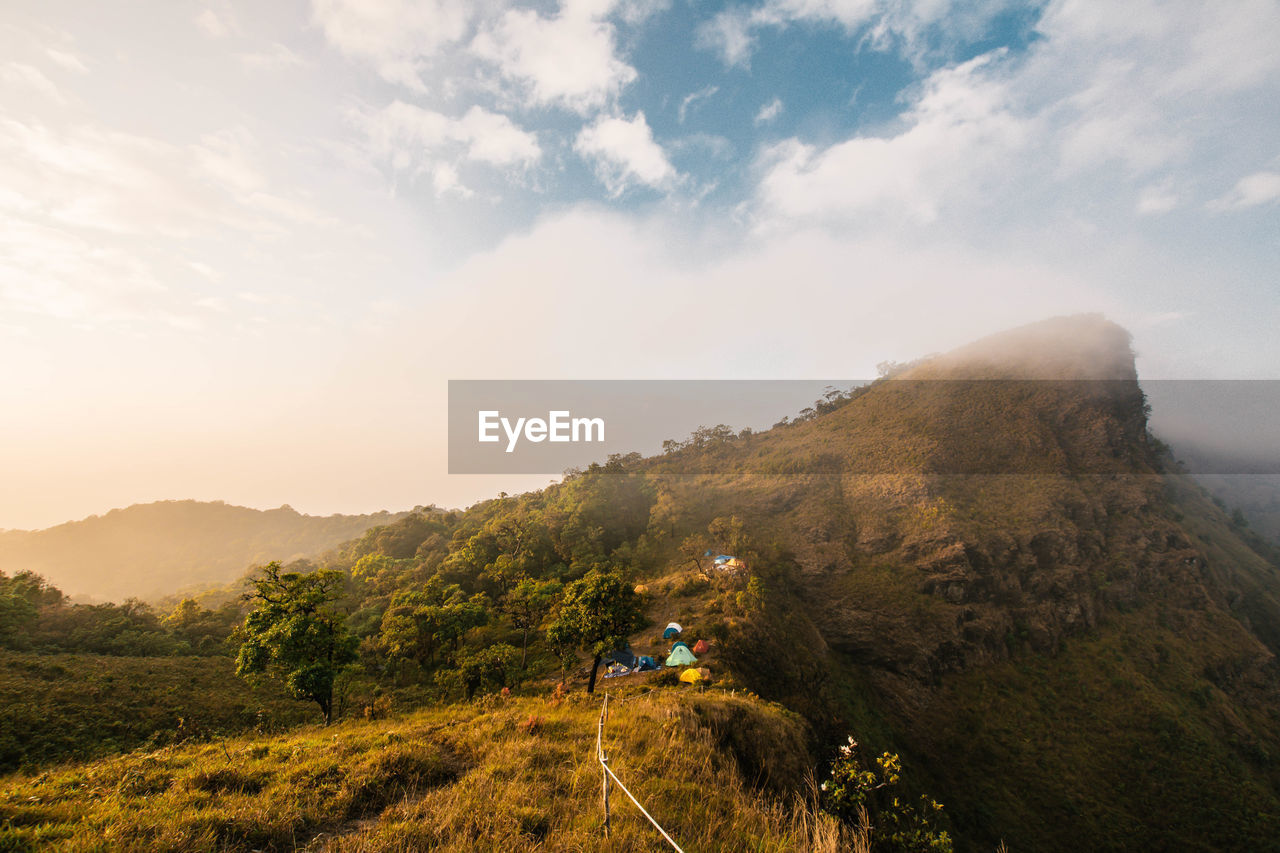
(527, 604)
(598, 613)
(421, 622)
(16, 614)
(295, 633)
(493, 665)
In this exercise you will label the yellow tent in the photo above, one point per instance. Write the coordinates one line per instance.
(692, 676)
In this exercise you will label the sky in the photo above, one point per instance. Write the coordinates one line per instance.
(244, 246)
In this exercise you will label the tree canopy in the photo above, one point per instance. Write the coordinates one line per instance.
(598, 613)
(295, 633)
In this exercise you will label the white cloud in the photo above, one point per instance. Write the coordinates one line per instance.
(692, 100)
(22, 76)
(568, 59)
(1250, 191)
(805, 300)
(66, 60)
(411, 138)
(956, 131)
(209, 21)
(769, 111)
(624, 154)
(1156, 199)
(885, 24)
(395, 36)
(275, 58)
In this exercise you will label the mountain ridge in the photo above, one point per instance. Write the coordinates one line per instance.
(155, 549)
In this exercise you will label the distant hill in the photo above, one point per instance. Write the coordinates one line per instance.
(152, 550)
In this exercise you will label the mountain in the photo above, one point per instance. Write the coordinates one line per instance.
(982, 560)
(152, 550)
(984, 563)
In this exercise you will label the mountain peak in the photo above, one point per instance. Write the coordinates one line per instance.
(1080, 346)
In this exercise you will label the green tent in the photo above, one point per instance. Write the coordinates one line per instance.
(681, 656)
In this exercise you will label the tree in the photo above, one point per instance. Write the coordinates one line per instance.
(528, 603)
(494, 665)
(295, 633)
(598, 613)
(16, 614)
(870, 795)
(421, 622)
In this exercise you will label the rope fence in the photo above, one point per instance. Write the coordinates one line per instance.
(607, 773)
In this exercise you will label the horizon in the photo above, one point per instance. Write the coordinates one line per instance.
(245, 248)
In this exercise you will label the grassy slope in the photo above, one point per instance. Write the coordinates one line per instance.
(60, 707)
(513, 774)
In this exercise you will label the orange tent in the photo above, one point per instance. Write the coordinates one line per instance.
(701, 647)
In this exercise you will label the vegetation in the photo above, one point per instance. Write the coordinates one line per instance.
(56, 708)
(496, 775)
(295, 633)
(599, 613)
(867, 794)
(1050, 653)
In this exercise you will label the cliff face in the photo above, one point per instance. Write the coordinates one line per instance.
(992, 558)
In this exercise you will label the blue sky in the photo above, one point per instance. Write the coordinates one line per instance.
(243, 246)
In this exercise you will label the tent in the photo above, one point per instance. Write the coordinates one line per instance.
(617, 669)
(622, 656)
(678, 643)
(681, 656)
(691, 676)
(647, 663)
(673, 630)
(701, 647)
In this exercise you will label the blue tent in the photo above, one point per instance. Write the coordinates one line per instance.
(670, 632)
(647, 663)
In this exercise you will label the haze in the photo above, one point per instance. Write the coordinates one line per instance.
(244, 246)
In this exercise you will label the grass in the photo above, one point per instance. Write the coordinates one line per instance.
(55, 708)
(513, 774)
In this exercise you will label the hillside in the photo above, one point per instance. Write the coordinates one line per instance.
(518, 774)
(983, 562)
(156, 549)
(978, 562)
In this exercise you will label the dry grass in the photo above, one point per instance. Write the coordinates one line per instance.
(473, 777)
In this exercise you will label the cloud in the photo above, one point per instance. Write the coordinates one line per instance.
(1156, 199)
(959, 127)
(769, 111)
(66, 60)
(209, 21)
(693, 99)
(22, 76)
(915, 29)
(805, 300)
(568, 59)
(275, 58)
(728, 34)
(395, 36)
(411, 138)
(1250, 191)
(625, 154)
